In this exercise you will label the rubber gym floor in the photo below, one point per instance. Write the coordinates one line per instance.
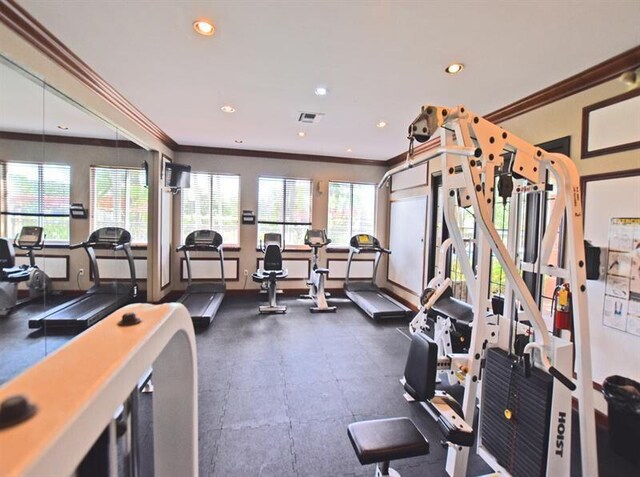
(276, 392)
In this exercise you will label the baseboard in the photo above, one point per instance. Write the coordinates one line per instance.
(405, 302)
(247, 292)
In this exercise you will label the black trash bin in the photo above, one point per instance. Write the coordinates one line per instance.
(623, 396)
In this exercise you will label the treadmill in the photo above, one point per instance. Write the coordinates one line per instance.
(366, 294)
(203, 299)
(101, 299)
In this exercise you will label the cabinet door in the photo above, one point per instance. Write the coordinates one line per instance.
(406, 241)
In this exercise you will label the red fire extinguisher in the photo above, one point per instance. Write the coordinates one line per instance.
(561, 309)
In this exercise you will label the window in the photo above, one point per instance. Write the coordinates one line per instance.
(212, 202)
(36, 194)
(351, 211)
(119, 199)
(284, 206)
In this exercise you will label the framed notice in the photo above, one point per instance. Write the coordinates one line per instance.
(622, 288)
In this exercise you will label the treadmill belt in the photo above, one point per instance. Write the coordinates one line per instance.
(88, 306)
(375, 304)
(380, 302)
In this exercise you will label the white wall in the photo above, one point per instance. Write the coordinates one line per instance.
(249, 169)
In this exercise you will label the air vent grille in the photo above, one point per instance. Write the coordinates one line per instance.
(310, 118)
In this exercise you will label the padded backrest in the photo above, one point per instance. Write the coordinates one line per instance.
(7, 254)
(421, 367)
(455, 309)
(272, 258)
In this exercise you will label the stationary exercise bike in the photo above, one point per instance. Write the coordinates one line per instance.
(271, 271)
(38, 283)
(316, 239)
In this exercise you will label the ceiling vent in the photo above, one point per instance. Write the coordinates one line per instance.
(310, 118)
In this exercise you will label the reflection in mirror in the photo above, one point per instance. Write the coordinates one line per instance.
(50, 150)
(21, 118)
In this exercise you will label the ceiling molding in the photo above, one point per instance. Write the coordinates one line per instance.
(56, 139)
(22, 23)
(279, 155)
(598, 74)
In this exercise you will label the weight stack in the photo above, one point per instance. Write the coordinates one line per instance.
(515, 414)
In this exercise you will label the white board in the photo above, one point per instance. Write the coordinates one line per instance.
(296, 268)
(414, 177)
(407, 227)
(359, 269)
(610, 348)
(210, 269)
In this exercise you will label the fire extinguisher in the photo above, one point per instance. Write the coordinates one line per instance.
(561, 309)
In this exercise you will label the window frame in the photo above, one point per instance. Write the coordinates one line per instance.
(339, 247)
(287, 247)
(51, 243)
(227, 245)
(135, 245)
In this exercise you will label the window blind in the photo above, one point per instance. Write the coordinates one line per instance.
(119, 198)
(351, 211)
(212, 202)
(36, 194)
(284, 206)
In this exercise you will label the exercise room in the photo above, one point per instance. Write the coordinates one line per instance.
(317, 238)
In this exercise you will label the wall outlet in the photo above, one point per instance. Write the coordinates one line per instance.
(246, 273)
(81, 272)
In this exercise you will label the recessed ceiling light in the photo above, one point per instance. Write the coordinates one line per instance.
(454, 68)
(321, 91)
(349, 150)
(228, 109)
(238, 141)
(302, 134)
(64, 128)
(381, 124)
(204, 27)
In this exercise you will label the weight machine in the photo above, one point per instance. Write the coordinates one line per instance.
(471, 149)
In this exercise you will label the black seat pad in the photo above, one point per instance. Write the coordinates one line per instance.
(457, 310)
(382, 440)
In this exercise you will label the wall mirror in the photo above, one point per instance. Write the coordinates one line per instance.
(53, 153)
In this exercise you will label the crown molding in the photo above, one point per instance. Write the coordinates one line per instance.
(279, 155)
(598, 74)
(77, 140)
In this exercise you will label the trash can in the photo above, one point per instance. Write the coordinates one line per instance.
(623, 397)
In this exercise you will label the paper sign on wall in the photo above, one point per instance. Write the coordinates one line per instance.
(622, 290)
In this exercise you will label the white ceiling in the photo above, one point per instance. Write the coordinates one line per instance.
(380, 60)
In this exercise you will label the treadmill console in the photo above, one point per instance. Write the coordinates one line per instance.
(203, 237)
(365, 242)
(30, 237)
(316, 238)
(109, 236)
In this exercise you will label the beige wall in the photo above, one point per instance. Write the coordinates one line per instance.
(80, 158)
(250, 168)
(564, 118)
